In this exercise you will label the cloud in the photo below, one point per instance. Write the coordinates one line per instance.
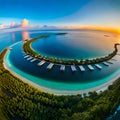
(12, 24)
(25, 23)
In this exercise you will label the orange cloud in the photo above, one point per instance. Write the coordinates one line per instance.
(12, 24)
(25, 23)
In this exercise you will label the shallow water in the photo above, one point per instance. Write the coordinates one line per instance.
(55, 75)
(54, 79)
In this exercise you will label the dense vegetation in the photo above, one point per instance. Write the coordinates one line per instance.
(21, 101)
(28, 49)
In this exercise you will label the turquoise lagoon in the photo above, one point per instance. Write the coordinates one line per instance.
(74, 45)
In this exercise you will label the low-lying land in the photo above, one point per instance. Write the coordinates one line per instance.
(28, 49)
(19, 100)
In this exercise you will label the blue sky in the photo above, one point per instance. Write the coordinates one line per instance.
(62, 12)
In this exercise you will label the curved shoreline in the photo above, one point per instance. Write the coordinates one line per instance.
(27, 48)
(63, 92)
(59, 92)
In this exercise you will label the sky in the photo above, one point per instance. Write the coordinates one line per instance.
(104, 13)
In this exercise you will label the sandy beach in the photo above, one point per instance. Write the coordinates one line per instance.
(60, 92)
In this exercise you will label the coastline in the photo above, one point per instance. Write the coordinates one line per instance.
(27, 48)
(98, 89)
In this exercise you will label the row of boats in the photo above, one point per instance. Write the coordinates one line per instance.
(73, 67)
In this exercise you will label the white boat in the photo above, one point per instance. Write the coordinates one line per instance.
(33, 60)
(105, 63)
(82, 68)
(41, 63)
(73, 68)
(98, 66)
(90, 67)
(29, 58)
(62, 68)
(49, 67)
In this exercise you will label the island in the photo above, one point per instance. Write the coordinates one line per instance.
(20, 100)
(28, 50)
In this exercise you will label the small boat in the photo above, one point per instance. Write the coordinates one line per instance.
(41, 63)
(73, 68)
(82, 68)
(105, 63)
(98, 66)
(62, 68)
(49, 67)
(90, 67)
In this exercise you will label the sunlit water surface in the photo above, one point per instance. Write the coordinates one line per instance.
(54, 79)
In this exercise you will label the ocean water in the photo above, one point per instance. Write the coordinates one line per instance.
(54, 79)
(76, 45)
